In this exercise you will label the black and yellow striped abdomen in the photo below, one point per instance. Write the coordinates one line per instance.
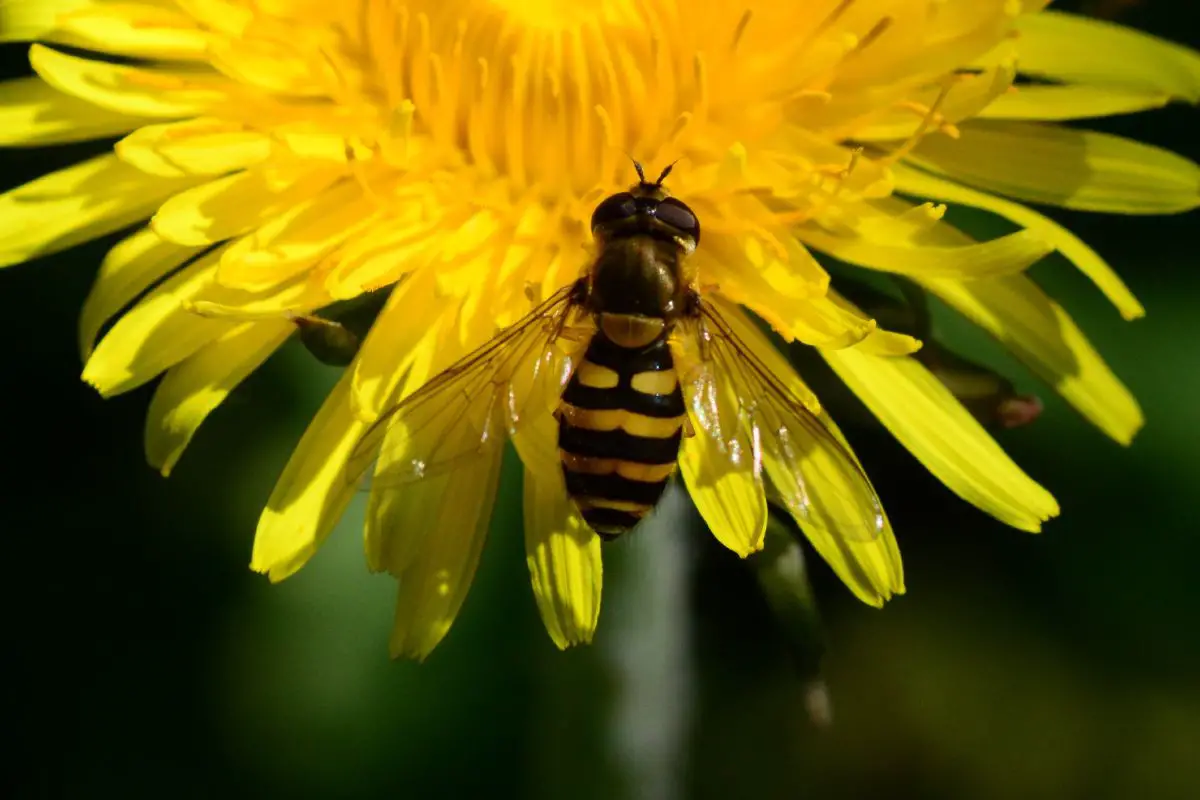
(619, 428)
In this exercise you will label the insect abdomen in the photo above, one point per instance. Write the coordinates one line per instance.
(619, 428)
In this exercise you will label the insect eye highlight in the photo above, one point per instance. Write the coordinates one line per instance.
(614, 209)
(674, 213)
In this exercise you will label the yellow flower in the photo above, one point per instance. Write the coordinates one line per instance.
(290, 154)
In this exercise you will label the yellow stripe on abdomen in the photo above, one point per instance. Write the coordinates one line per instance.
(619, 441)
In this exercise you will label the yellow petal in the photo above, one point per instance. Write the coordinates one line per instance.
(814, 476)
(816, 321)
(73, 205)
(298, 296)
(934, 427)
(401, 518)
(720, 463)
(434, 585)
(849, 529)
(133, 30)
(201, 382)
(879, 342)
(405, 344)
(1074, 49)
(870, 567)
(1002, 256)
(1071, 246)
(563, 555)
(193, 147)
(273, 67)
(886, 343)
(1057, 103)
(537, 445)
(811, 466)
(725, 484)
(1040, 333)
(155, 334)
(32, 114)
(230, 17)
(132, 266)
(234, 204)
(311, 493)
(872, 570)
(777, 264)
(1066, 167)
(401, 515)
(293, 241)
(26, 20)
(131, 90)
(966, 97)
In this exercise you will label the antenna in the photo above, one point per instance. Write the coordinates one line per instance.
(666, 172)
(638, 167)
(662, 176)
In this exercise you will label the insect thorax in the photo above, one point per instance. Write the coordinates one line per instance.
(637, 275)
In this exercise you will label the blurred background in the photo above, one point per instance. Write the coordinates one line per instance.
(145, 658)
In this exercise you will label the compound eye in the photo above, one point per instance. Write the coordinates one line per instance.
(613, 209)
(674, 213)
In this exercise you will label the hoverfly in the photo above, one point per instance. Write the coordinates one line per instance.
(653, 362)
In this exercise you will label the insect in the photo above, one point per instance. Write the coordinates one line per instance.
(630, 360)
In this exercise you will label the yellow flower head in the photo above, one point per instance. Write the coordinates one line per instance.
(290, 154)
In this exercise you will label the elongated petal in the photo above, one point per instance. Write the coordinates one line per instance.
(157, 333)
(288, 298)
(869, 565)
(536, 442)
(563, 555)
(434, 585)
(964, 99)
(870, 568)
(401, 516)
(27, 20)
(406, 343)
(234, 204)
(1071, 246)
(193, 388)
(810, 465)
(193, 147)
(1075, 49)
(132, 266)
(935, 428)
(33, 114)
(816, 321)
(1003, 256)
(727, 490)
(293, 241)
(131, 90)
(136, 30)
(1066, 167)
(1039, 332)
(76, 204)
(311, 493)
(1060, 103)
(230, 17)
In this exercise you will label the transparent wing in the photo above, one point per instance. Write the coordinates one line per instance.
(476, 403)
(759, 416)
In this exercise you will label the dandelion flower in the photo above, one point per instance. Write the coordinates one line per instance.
(278, 157)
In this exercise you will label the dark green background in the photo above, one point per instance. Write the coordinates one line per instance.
(145, 659)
